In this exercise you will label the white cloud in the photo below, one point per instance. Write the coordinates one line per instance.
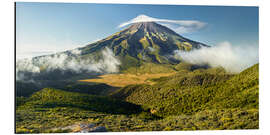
(179, 26)
(108, 64)
(232, 58)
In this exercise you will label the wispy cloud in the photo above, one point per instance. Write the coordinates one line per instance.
(232, 58)
(179, 26)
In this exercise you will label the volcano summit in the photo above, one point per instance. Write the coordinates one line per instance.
(145, 42)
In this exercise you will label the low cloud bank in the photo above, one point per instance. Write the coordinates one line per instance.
(67, 62)
(179, 26)
(232, 58)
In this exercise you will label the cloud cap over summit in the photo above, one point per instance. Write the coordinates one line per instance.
(180, 26)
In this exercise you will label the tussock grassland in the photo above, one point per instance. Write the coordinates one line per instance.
(122, 80)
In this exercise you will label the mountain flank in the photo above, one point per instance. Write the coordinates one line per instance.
(144, 42)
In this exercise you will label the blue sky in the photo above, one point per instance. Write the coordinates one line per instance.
(43, 28)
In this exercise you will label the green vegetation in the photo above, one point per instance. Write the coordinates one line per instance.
(26, 89)
(50, 108)
(191, 92)
(195, 98)
(150, 68)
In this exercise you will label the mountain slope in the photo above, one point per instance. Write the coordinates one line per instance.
(143, 42)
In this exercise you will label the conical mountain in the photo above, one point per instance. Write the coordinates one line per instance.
(144, 42)
(140, 43)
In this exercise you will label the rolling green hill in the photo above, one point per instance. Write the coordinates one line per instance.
(191, 92)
